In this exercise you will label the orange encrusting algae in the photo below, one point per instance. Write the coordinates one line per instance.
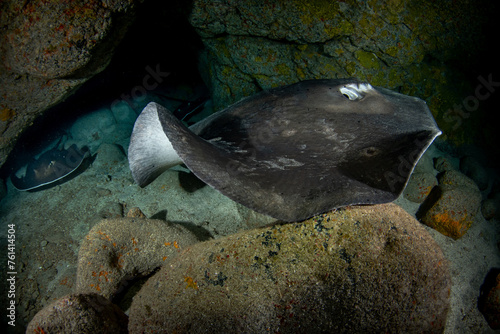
(190, 282)
(452, 224)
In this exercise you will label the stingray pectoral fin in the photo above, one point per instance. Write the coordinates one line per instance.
(227, 168)
(150, 152)
(211, 163)
(19, 182)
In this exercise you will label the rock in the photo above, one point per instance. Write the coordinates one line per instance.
(117, 250)
(489, 300)
(73, 30)
(452, 206)
(365, 268)
(111, 210)
(442, 164)
(425, 164)
(473, 169)
(456, 179)
(49, 49)
(419, 186)
(92, 128)
(490, 208)
(79, 313)
(135, 212)
(109, 158)
(123, 113)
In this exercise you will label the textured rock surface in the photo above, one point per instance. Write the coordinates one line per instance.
(452, 206)
(425, 164)
(422, 180)
(454, 178)
(419, 186)
(48, 49)
(442, 164)
(119, 249)
(79, 313)
(490, 208)
(371, 268)
(252, 45)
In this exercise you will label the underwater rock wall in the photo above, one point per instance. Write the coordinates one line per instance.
(50, 48)
(408, 46)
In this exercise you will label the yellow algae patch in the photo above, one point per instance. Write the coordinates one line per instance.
(6, 114)
(190, 282)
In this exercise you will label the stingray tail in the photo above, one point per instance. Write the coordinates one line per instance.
(150, 152)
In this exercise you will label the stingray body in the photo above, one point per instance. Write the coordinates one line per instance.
(294, 151)
(50, 167)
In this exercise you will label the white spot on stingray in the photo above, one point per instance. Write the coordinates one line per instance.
(355, 91)
(282, 163)
(21, 172)
(288, 132)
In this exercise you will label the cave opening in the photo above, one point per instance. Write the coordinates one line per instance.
(156, 60)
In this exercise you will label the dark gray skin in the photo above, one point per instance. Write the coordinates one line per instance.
(307, 148)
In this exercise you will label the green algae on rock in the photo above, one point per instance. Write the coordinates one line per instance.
(366, 268)
(397, 44)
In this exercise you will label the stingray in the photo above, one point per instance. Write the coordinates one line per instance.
(295, 151)
(49, 168)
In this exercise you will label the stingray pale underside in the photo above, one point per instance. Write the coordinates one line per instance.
(294, 151)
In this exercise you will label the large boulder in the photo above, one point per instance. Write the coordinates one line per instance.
(490, 208)
(49, 49)
(452, 206)
(359, 269)
(79, 313)
(117, 250)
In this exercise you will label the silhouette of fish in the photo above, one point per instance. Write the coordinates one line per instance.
(294, 151)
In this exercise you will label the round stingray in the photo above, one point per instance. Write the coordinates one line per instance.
(296, 151)
(50, 167)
